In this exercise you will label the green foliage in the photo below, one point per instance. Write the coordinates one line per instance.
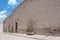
(29, 30)
(11, 30)
(30, 27)
(4, 31)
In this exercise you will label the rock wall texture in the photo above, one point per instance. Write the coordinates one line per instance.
(44, 14)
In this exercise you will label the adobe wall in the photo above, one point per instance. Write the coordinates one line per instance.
(44, 13)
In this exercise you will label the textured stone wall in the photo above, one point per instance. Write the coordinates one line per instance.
(44, 13)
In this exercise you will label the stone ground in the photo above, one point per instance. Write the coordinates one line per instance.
(15, 36)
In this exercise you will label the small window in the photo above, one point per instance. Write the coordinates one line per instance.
(54, 29)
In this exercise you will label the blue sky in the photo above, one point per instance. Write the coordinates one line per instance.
(7, 6)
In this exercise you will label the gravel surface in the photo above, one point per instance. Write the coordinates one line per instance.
(12, 37)
(15, 36)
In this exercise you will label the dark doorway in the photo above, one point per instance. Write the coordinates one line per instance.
(16, 25)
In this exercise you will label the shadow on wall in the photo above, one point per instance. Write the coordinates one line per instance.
(53, 31)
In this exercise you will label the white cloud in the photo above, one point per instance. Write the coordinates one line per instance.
(3, 15)
(3, 12)
(12, 2)
(22, 0)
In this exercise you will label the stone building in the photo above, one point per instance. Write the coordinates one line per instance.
(44, 15)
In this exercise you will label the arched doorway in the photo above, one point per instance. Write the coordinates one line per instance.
(16, 26)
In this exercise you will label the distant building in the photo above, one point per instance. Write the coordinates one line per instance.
(1, 27)
(43, 14)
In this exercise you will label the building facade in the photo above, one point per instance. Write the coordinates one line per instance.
(43, 14)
